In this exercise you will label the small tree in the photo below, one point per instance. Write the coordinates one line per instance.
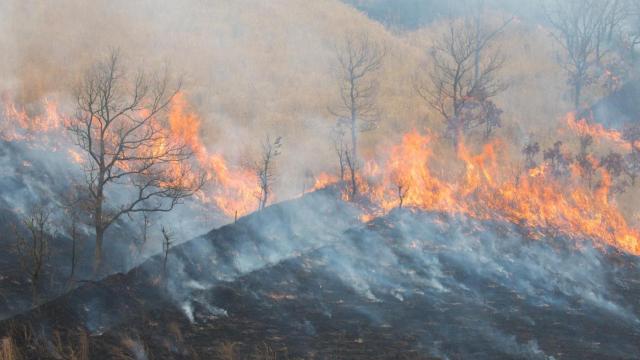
(119, 128)
(33, 246)
(463, 77)
(558, 160)
(586, 162)
(72, 205)
(632, 166)
(530, 151)
(614, 164)
(167, 243)
(264, 168)
(359, 58)
(142, 240)
(339, 146)
(402, 190)
(352, 165)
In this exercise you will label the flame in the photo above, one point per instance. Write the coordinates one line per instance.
(323, 180)
(534, 199)
(234, 189)
(597, 131)
(18, 125)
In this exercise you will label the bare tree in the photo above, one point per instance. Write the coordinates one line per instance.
(33, 246)
(359, 59)
(339, 146)
(141, 241)
(352, 165)
(74, 235)
(582, 27)
(264, 168)
(119, 127)
(167, 242)
(72, 205)
(402, 190)
(464, 77)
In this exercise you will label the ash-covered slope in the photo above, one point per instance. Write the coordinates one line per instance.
(293, 282)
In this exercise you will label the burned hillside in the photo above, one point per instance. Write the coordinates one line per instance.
(335, 179)
(408, 285)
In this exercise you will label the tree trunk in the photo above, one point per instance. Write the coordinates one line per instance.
(97, 265)
(577, 94)
(354, 183)
(354, 154)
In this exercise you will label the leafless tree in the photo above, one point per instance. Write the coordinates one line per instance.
(142, 240)
(582, 28)
(264, 168)
(352, 165)
(72, 205)
(463, 75)
(74, 235)
(402, 191)
(359, 59)
(33, 245)
(339, 146)
(167, 243)
(119, 126)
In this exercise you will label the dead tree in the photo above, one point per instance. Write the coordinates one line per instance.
(120, 128)
(463, 76)
(581, 28)
(72, 205)
(74, 235)
(144, 234)
(359, 59)
(402, 190)
(264, 168)
(352, 165)
(339, 146)
(167, 242)
(32, 245)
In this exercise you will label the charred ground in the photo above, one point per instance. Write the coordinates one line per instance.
(410, 285)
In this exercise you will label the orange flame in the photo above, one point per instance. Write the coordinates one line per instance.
(534, 199)
(233, 190)
(597, 131)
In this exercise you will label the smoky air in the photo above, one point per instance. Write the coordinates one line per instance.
(289, 179)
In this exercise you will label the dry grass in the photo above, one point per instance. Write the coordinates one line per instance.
(8, 349)
(227, 351)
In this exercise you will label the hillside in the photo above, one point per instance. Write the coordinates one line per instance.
(410, 285)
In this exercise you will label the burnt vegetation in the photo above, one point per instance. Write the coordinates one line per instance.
(427, 227)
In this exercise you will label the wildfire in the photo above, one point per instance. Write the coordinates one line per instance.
(19, 125)
(233, 190)
(534, 199)
(596, 131)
